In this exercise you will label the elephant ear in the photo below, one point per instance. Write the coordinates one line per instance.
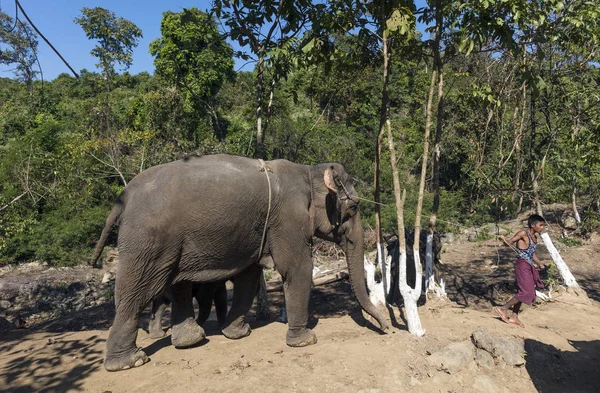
(332, 180)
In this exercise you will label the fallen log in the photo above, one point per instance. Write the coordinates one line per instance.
(326, 279)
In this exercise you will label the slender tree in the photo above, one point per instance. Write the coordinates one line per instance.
(193, 55)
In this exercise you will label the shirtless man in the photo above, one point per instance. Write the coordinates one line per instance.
(527, 275)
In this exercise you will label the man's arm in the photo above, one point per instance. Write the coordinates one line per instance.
(519, 235)
(538, 262)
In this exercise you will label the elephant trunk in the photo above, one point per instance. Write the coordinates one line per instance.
(355, 258)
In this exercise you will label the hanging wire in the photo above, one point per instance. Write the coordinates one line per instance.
(45, 39)
(16, 18)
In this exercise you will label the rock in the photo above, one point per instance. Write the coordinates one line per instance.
(483, 383)
(484, 359)
(493, 231)
(569, 222)
(454, 357)
(5, 325)
(448, 238)
(488, 262)
(108, 276)
(509, 349)
(5, 304)
(9, 290)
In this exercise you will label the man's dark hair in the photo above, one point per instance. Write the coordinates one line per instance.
(534, 219)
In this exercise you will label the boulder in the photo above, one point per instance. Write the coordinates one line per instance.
(508, 349)
(453, 357)
(484, 359)
(568, 221)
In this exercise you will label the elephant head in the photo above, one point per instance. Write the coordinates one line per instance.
(345, 229)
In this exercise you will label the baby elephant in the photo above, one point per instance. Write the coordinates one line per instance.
(205, 294)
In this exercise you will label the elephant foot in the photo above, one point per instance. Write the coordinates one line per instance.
(234, 332)
(300, 337)
(125, 362)
(186, 334)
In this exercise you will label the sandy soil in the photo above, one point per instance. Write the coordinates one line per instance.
(562, 342)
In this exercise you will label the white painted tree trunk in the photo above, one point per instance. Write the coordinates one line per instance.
(574, 204)
(376, 291)
(383, 262)
(565, 273)
(411, 295)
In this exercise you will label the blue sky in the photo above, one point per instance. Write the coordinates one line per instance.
(54, 18)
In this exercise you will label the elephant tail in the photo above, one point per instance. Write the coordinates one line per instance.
(110, 221)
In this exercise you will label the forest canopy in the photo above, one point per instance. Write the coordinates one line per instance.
(514, 113)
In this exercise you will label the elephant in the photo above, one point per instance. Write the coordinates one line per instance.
(205, 294)
(215, 217)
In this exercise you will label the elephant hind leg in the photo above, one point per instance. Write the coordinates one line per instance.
(133, 292)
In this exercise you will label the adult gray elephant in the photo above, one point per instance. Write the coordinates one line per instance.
(210, 218)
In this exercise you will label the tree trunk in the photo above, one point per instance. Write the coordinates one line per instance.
(518, 152)
(439, 66)
(260, 152)
(574, 203)
(409, 295)
(565, 273)
(536, 194)
(269, 105)
(383, 116)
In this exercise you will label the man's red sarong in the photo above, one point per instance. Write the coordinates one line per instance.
(528, 279)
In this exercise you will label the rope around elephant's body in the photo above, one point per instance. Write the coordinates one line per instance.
(264, 168)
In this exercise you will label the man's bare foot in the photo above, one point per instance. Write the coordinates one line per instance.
(514, 321)
(502, 314)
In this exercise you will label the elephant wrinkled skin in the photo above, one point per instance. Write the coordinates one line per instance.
(201, 219)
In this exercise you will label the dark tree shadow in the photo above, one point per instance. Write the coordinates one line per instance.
(29, 372)
(556, 371)
(589, 283)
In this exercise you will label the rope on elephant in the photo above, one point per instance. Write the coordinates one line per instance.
(264, 168)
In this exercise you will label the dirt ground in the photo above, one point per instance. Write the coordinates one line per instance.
(562, 342)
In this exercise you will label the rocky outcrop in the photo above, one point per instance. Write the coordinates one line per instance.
(33, 296)
(485, 350)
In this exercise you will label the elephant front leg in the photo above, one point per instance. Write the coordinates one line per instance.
(297, 285)
(185, 331)
(245, 286)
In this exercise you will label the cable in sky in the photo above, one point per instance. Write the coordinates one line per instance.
(47, 42)
(16, 18)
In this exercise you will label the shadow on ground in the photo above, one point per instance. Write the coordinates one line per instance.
(27, 371)
(556, 371)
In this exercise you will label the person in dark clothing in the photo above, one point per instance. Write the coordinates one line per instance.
(528, 278)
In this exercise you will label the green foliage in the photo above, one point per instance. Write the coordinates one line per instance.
(523, 101)
(570, 242)
(116, 36)
(192, 55)
(18, 44)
